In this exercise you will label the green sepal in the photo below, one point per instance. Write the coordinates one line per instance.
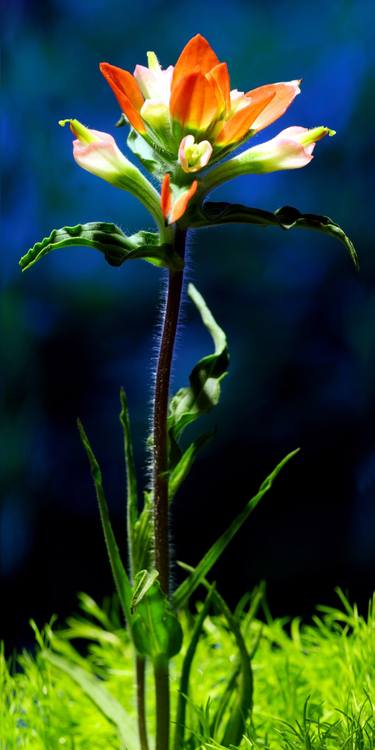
(204, 390)
(110, 240)
(101, 697)
(188, 586)
(156, 630)
(119, 573)
(151, 159)
(287, 217)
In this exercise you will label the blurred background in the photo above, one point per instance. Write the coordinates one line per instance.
(300, 321)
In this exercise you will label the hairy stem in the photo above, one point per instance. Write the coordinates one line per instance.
(160, 443)
(141, 704)
(160, 477)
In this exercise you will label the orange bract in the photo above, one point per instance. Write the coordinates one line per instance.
(194, 102)
(196, 55)
(127, 93)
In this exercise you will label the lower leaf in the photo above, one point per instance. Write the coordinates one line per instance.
(110, 240)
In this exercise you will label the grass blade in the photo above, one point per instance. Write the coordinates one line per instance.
(102, 698)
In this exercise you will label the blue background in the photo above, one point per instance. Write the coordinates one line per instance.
(300, 321)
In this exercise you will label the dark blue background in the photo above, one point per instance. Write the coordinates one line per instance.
(300, 321)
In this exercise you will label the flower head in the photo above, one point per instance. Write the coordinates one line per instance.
(193, 99)
(191, 117)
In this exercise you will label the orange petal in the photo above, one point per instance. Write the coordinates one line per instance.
(237, 126)
(221, 77)
(182, 202)
(194, 102)
(127, 93)
(166, 196)
(197, 54)
(284, 93)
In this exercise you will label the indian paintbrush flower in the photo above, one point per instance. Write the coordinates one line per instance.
(190, 118)
(183, 121)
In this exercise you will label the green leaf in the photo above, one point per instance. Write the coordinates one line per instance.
(102, 698)
(131, 479)
(143, 536)
(286, 217)
(143, 581)
(120, 576)
(183, 466)
(154, 161)
(204, 390)
(110, 240)
(185, 590)
(185, 673)
(156, 630)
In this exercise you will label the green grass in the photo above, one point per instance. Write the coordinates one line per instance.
(314, 685)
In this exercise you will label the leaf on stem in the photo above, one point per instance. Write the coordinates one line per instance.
(286, 217)
(101, 697)
(187, 587)
(199, 397)
(204, 390)
(110, 240)
(120, 576)
(156, 630)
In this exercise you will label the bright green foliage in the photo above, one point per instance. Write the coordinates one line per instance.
(314, 684)
(105, 702)
(286, 217)
(110, 240)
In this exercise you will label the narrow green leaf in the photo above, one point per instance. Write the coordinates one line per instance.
(110, 240)
(101, 697)
(204, 390)
(156, 630)
(183, 466)
(131, 479)
(185, 590)
(286, 217)
(120, 576)
(185, 673)
(143, 536)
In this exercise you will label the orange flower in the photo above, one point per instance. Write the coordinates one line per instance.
(194, 99)
(191, 118)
